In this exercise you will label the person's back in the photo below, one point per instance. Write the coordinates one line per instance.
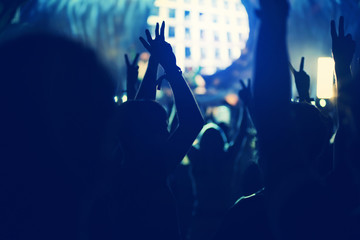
(56, 99)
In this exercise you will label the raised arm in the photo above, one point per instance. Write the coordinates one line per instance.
(343, 48)
(237, 142)
(189, 115)
(302, 82)
(132, 71)
(272, 78)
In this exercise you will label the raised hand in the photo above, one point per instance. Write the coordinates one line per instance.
(132, 71)
(245, 92)
(160, 49)
(132, 68)
(302, 81)
(343, 47)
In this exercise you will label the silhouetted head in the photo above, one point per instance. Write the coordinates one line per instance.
(212, 139)
(312, 130)
(143, 127)
(56, 98)
(304, 137)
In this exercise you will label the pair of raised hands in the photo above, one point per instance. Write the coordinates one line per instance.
(159, 49)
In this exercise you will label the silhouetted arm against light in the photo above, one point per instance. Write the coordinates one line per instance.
(237, 143)
(343, 48)
(272, 78)
(302, 82)
(132, 71)
(147, 89)
(189, 115)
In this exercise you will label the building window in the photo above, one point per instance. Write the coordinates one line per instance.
(187, 15)
(203, 53)
(202, 34)
(216, 36)
(229, 53)
(228, 36)
(171, 31)
(217, 53)
(226, 4)
(187, 34)
(239, 21)
(227, 20)
(155, 11)
(171, 13)
(201, 2)
(201, 16)
(187, 52)
(187, 1)
(214, 3)
(215, 18)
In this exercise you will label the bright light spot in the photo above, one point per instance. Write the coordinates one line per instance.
(232, 99)
(185, 161)
(124, 98)
(116, 99)
(143, 64)
(325, 78)
(199, 80)
(222, 114)
(322, 103)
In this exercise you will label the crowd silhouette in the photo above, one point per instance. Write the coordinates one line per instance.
(76, 165)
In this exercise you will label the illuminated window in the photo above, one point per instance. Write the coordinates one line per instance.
(155, 11)
(227, 20)
(201, 16)
(187, 15)
(171, 13)
(187, 52)
(187, 34)
(214, 3)
(228, 36)
(203, 53)
(217, 53)
(216, 36)
(215, 18)
(202, 34)
(239, 21)
(171, 31)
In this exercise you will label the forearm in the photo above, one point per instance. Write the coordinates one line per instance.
(272, 78)
(188, 111)
(147, 89)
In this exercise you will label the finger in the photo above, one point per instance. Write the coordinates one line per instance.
(341, 27)
(162, 30)
(145, 44)
(292, 69)
(127, 60)
(157, 30)
(333, 30)
(243, 86)
(148, 36)
(136, 59)
(302, 64)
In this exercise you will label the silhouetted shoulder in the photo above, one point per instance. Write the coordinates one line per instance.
(247, 219)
